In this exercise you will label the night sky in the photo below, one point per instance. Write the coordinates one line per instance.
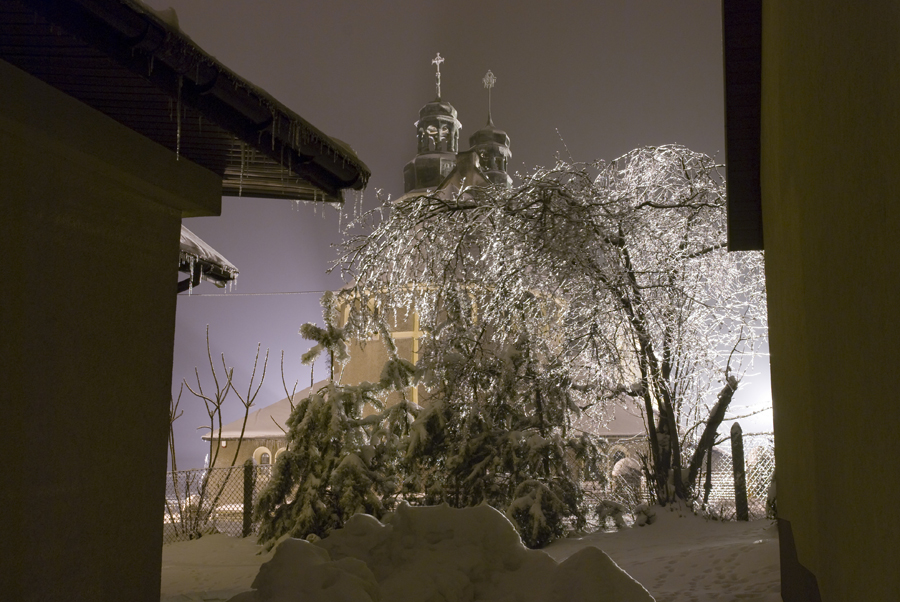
(586, 80)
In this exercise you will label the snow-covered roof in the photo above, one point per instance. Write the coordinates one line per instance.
(625, 420)
(195, 253)
(137, 66)
(264, 423)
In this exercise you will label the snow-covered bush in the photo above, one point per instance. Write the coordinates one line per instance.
(644, 514)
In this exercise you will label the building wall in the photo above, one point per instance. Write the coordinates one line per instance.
(249, 449)
(831, 211)
(89, 235)
(367, 360)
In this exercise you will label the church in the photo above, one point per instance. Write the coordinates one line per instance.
(439, 165)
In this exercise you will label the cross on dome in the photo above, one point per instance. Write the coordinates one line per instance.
(436, 61)
(489, 80)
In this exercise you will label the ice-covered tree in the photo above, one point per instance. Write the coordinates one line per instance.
(616, 277)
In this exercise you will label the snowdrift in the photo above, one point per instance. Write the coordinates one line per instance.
(435, 554)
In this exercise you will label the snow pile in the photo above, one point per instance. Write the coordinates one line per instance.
(686, 558)
(644, 514)
(213, 567)
(435, 553)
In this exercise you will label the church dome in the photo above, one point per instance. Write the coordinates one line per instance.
(492, 145)
(437, 107)
(437, 135)
(489, 134)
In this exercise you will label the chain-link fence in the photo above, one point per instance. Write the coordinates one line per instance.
(214, 500)
(622, 492)
(759, 467)
(220, 500)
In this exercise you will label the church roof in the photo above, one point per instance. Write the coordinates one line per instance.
(467, 172)
(264, 423)
(136, 66)
(625, 420)
(267, 422)
(437, 107)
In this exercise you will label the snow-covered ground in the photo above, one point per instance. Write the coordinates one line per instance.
(679, 558)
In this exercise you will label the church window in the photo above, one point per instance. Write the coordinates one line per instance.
(262, 455)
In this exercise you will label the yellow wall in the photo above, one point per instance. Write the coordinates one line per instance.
(248, 450)
(89, 236)
(367, 360)
(831, 211)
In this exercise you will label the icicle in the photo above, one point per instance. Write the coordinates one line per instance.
(191, 278)
(357, 207)
(243, 162)
(178, 120)
(274, 128)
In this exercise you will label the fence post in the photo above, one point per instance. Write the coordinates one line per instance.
(740, 476)
(249, 478)
(707, 487)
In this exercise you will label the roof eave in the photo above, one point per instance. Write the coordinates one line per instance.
(742, 46)
(138, 40)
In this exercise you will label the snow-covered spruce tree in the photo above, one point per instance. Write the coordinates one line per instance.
(337, 462)
(495, 428)
(615, 273)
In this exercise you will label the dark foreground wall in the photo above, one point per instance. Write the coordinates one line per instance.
(89, 232)
(831, 213)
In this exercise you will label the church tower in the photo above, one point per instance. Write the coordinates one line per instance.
(437, 131)
(492, 144)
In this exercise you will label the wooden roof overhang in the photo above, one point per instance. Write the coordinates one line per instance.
(742, 42)
(122, 59)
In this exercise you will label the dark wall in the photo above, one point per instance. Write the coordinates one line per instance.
(89, 236)
(831, 211)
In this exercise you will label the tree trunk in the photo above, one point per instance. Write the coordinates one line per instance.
(708, 438)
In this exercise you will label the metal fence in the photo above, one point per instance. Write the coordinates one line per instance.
(759, 467)
(214, 500)
(220, 500)
(619, 496)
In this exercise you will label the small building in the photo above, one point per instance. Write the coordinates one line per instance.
(262, 438)
(114, 126)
